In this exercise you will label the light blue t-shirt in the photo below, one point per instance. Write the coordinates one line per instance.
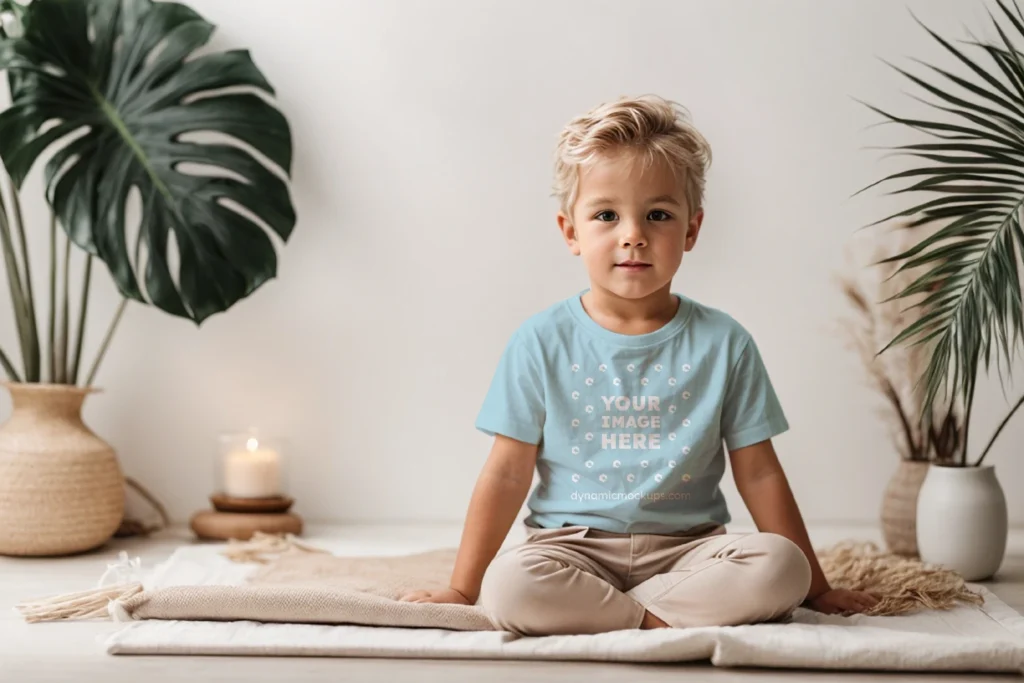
(631, 428)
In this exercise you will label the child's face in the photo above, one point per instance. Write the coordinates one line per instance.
(623, 217)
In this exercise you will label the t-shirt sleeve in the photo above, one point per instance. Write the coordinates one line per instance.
(514, 404)
(751, 411)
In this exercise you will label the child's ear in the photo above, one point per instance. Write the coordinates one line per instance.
(693, 229)
(568, 231)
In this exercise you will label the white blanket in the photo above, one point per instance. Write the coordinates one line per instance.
(987, 638)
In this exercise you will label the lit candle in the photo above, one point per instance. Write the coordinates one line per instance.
(252, 473)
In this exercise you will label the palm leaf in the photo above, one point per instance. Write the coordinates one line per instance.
(972, 183)
(122, 71)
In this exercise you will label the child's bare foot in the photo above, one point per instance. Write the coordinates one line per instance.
(651, 621)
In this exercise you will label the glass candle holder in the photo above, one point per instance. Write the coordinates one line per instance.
(252, 465)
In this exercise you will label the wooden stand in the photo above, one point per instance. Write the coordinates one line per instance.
(225, 503)
(240, 518)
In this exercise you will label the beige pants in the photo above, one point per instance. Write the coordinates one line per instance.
(575, 579)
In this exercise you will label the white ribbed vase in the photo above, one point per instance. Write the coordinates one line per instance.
(61, 487)
(962, 520)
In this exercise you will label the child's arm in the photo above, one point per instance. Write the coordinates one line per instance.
(500, 490)
(765, 490)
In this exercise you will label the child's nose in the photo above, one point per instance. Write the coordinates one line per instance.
(632, 236)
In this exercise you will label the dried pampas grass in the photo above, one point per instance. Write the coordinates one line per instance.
(874, 321)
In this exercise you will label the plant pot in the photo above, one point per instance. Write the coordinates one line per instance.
(962, 521)
(899, 507)
(61, 487)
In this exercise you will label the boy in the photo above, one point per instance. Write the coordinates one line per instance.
(622, 397)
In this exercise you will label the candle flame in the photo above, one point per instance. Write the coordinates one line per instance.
(252, 444)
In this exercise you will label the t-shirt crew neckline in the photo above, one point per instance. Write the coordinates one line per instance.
(666, 331)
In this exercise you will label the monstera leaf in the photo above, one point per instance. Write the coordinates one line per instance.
(113, 89)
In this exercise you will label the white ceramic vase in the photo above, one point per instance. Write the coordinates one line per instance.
(962, 521)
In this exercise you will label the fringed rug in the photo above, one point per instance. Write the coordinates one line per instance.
(279, 596)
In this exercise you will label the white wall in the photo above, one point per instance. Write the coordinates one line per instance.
(423, 139)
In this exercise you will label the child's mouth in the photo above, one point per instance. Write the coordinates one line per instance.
(633, 266)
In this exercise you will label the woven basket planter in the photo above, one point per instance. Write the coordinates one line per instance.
(899, 507)
(61, 487)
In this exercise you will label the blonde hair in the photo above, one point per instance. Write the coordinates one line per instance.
(648, 127)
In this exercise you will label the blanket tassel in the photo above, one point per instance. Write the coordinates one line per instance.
(91, 604)
(264, 547)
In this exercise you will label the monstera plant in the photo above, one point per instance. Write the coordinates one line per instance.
(114, 94)
(127, 115)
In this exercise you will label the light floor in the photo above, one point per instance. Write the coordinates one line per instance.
(72, 651)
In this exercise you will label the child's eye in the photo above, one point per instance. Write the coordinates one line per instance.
(656, 215)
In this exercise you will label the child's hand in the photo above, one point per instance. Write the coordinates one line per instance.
(446, 595)
(841, 600)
